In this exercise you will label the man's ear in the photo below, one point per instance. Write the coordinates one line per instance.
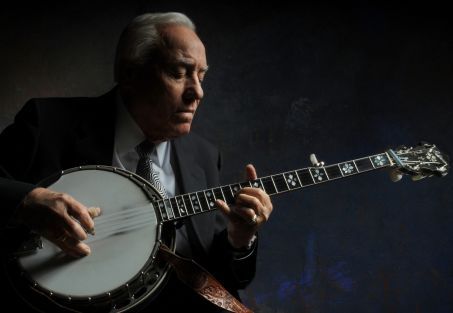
(128, 77)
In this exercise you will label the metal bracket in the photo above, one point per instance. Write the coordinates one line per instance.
(315, 162)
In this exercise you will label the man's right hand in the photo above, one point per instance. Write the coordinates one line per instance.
(59, 218)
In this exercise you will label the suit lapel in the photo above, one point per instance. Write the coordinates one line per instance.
(192, 179)
(191, 174)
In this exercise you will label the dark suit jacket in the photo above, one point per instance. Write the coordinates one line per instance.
(49, 135)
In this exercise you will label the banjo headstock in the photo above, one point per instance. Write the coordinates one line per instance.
(420, 161)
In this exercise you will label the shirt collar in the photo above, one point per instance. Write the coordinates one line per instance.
(128, 134)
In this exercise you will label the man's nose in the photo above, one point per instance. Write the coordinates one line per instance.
(193, 90)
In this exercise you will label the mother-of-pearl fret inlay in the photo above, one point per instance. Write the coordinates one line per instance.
(235, 188)
(256, 184)
(292, 180)
(181, 206)
(348, 168)
(195, 202)
(210, 198)
(203, 201)
(318, 174)
(380, 160)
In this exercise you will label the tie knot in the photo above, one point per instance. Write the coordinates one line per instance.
(144, 149)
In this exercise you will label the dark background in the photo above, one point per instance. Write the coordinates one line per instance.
(286, 81)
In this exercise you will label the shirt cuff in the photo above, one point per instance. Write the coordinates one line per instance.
(245, 252)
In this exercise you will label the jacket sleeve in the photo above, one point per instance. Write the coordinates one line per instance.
(235, 269)
(18, 143)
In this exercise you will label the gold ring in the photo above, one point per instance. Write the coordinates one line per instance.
(253, 220)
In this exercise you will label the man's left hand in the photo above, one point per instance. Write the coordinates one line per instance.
(251, 210)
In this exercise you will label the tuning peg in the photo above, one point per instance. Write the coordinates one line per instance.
(417, 177)
(395, 175)
(314, 161)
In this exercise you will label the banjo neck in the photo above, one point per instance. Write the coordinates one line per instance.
(421, 161)
(202, 201)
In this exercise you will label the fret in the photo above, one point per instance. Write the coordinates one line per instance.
(355, 165)
(292, 181)
(219, 194)
(298, 178)
(334, 171)
(228, 194)
(163, 212)
(269, 185)
(327, 175)
(305, 177)
(195, 202)
(188, 205)
(245, 184)
(203, 201)
(261, 183)
(348, 168)
(280, 183)
(210, 199)
(168, 208)
(174, 208)
(318, 174)
(181, 206)
(364, 164)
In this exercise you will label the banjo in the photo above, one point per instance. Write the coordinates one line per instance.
(136, 221)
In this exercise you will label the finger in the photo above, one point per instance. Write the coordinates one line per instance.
(80, 213)
(235, 213)
(256, 205)
(261, 195)
(72, 246)
(73, 227)
(94, 211)
(246, 214)
(250, 172)
(223, 207)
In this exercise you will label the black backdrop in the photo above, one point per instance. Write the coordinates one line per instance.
(286, 81)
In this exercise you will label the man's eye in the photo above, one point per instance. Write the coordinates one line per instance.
(177, 74)
(201, 77)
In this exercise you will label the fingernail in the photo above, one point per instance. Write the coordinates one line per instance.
(85, 249)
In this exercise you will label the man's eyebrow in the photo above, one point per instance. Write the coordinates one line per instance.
(191, 65)
(205, 69)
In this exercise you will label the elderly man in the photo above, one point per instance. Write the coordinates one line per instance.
(159, 69)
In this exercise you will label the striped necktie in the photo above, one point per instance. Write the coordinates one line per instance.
(145, 166)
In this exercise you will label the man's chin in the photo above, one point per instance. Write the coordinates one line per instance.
(181, 130)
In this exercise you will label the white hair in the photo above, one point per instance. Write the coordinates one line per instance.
(141, 38)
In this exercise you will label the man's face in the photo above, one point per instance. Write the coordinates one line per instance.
(165, 98)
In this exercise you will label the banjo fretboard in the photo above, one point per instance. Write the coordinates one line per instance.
(204, 201)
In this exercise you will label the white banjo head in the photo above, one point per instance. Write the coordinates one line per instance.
(122, 250)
